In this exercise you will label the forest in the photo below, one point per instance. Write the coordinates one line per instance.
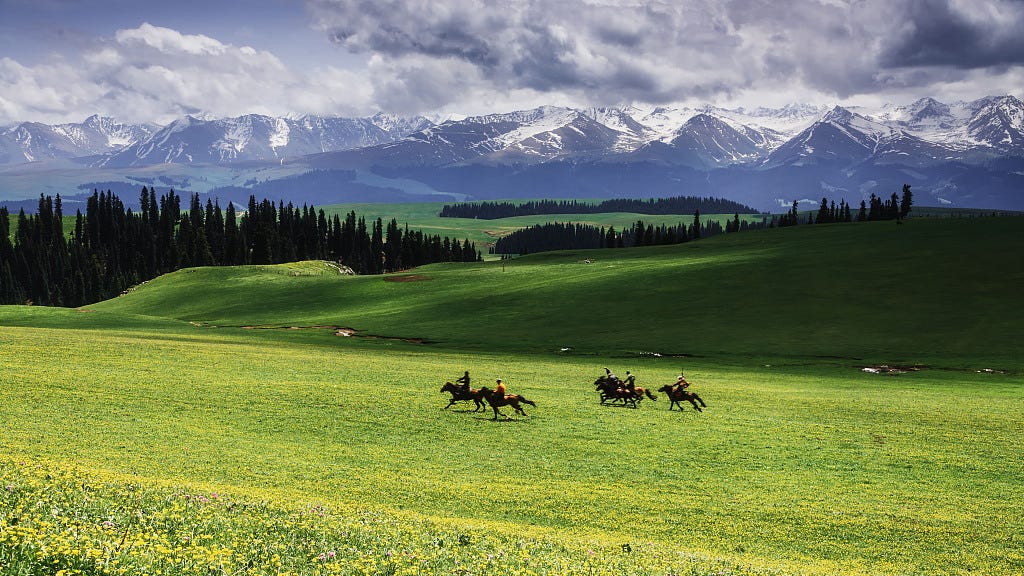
(112, 248)
(652, 206)
(574, 236)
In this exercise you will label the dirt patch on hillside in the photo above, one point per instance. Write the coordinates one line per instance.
(342, 331)
(887, 369)
(407, 278)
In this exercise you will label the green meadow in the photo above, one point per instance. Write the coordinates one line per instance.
(214, 421)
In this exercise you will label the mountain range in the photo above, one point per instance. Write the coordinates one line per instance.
(959, 154)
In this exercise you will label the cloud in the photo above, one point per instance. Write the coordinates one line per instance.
(962, 35)
(155, 74)
(614, 51)
(477, 56)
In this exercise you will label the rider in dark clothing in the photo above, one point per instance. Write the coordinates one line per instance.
(628, 383)
(465, 382)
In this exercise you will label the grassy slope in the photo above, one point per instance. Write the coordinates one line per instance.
(939, 292)
(807, 464)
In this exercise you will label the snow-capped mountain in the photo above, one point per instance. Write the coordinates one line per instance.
(965, 153)
(999, 124)
(255, 137)
(33, 141)
(851, 138)
(704, 137)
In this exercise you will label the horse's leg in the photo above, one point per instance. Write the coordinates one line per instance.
(699, 400)
(695, 407)
(450, 402)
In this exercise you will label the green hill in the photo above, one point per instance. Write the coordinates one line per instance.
(931, 291)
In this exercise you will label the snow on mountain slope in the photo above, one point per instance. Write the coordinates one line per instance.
(917, 133)
(33, 141)
(998, 123)
(255, 137)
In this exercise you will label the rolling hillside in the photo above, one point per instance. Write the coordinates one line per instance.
(930, 291)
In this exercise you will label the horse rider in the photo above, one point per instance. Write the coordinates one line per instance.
(465, 382)
(612, 377)
(681, 384)
(499, 389)
(628, 383)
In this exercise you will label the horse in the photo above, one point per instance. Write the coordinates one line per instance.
(498, 400)
(614, 391)
(459, 395)
(676, 395)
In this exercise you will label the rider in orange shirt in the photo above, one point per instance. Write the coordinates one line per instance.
(681, 383)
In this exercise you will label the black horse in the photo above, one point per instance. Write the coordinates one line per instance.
(678, 395)
(498, 400)
(459, 395)
(614, 390)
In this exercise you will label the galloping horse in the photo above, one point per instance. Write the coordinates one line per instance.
(498, 400)
(677, 395)
(459, 395)
(611, 390)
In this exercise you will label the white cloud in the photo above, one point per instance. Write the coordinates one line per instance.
(156, 74)
(477, 56)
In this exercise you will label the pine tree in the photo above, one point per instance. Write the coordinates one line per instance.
(906, 202)
(823, 217)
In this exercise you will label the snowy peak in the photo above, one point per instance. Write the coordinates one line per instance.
(928, 110)
(717, 141)
(255, 137)
(33, 141)
(580, 135)
(839, 115)
(999, 123)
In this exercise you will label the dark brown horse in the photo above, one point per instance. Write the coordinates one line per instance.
(498, 400)
(678, 395)
(615, 391)
(459, 395)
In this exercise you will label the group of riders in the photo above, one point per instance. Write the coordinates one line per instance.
(461, 390)
(611, 387)
(629, 383)
(616, 389)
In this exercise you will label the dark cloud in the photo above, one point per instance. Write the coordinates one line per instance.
(608, 51)
(965, 36)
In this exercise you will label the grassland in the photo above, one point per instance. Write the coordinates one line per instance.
(802, 464)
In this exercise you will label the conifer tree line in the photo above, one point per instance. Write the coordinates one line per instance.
(653, 206)
(895, 208)
(568, 236)
(557, 236)
(112, 248)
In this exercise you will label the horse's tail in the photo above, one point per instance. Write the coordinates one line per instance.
(525, 401)
(649, 395)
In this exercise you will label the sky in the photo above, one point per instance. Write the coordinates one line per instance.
(64, 60)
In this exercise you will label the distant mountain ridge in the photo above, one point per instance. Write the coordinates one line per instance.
(963, 153)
